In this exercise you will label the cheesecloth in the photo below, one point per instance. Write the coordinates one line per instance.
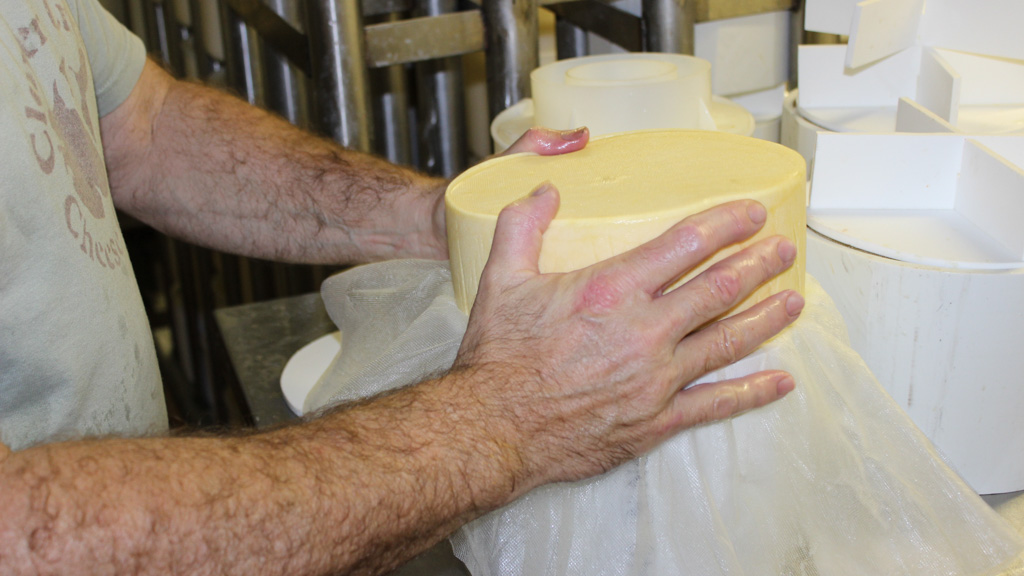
(834, 479)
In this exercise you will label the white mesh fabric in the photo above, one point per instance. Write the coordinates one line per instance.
(834, 479)
(399, 323)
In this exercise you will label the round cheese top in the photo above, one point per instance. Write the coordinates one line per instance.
(623, 190)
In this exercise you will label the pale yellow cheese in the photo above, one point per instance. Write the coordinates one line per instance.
(623, 190)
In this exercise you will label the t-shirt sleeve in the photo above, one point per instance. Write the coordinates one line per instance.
(116, 56)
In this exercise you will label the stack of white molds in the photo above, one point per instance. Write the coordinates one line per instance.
(910, 66)
(620, 93)
(749, 58)
(766, 106)
(918, 240)
(750, 65)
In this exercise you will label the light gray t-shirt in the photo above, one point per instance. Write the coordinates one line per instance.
(76, 351)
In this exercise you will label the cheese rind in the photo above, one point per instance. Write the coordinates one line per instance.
(626, 189)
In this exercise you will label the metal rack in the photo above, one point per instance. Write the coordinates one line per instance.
(338, 66)
(347, 41)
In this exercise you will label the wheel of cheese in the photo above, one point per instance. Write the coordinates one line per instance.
(623, 190)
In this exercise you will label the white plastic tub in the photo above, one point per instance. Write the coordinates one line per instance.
(917, 239)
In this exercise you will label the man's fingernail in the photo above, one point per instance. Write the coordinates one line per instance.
(785, 385)
(756, 212)
(786, 250)
(794, 304)
(574, 134)
(542, 189)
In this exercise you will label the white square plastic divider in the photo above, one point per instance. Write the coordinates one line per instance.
(747, 54)
(825, 83)
(884, 172)
(990, 193)
(914, 236)
(829, 16)
(989, 91)
(1009, 148)
(882, 28)
(991, 27)
(878, 28)
(976, 94)
(914, 118)
(987, 81)
(945, 200)
(938, 86)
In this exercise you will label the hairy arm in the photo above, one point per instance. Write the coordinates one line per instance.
(559, 377)
(358, 491)
(208, 168)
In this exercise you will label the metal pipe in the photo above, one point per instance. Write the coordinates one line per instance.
(242, 56)
(183, 27)
(796, 38)
(441, 104)
(162, 35)
(393, 126)
(285, 85)
(669, 25)
(342, 94)
(207, 38)
(512, 51)
(137, 20)
(571, 41)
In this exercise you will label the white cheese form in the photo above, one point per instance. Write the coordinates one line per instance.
(623, 190)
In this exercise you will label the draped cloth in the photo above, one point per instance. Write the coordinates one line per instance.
(834, 479)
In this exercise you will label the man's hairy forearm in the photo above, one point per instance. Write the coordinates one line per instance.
(208, 168)
(360, 491)
(550, 384)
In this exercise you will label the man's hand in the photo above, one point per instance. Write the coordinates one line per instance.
(547, 142)
(589, 369)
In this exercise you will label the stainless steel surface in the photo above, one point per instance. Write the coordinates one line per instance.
(441, 102)
(286, 86)
(260, 338)
(424, 38)
(571, 41)
(340, 83)
(512, 51)
(669, 25)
